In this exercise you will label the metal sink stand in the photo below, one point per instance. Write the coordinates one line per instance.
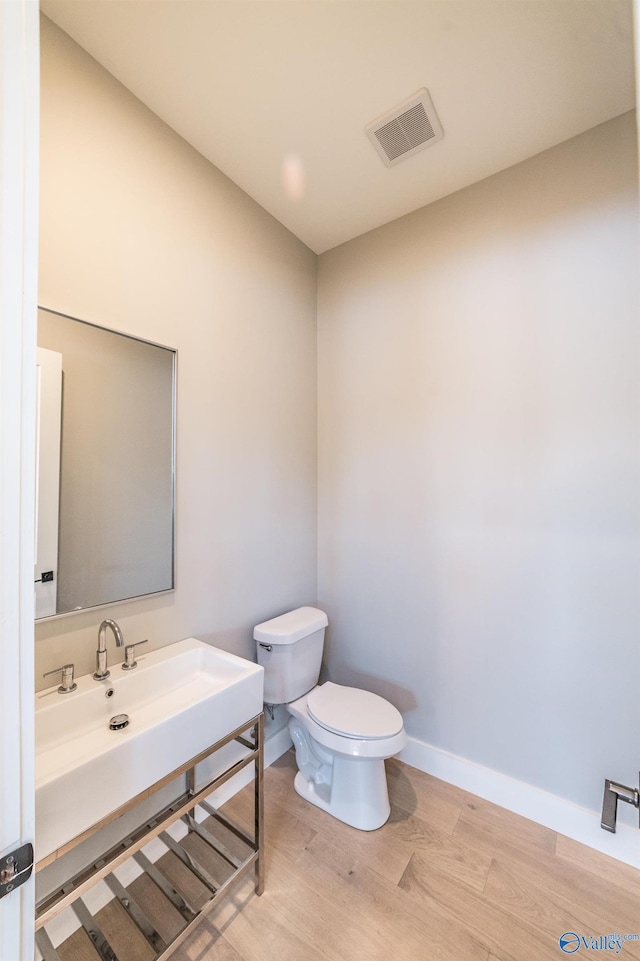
(251, 737)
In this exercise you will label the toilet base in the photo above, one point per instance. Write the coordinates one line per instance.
(353, 790)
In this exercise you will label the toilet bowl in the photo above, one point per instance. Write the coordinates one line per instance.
(341, 735)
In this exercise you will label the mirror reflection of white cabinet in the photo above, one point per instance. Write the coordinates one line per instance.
(48, 427)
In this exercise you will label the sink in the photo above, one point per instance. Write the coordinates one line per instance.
(180, 700)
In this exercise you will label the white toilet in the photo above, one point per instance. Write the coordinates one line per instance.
(341, 734)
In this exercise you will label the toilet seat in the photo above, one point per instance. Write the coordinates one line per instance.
(351, 712)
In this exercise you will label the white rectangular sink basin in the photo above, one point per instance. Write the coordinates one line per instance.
(180, 700)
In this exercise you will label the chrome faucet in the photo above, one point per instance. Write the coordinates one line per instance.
(101, 654)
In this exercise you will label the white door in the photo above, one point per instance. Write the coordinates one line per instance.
(48, 431)
(19, 118)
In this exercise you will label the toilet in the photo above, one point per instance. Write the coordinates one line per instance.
(341, 734)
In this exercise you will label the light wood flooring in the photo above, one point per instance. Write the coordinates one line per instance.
(450, 877)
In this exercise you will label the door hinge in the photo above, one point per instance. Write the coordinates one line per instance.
(614, 792)
(15, 869)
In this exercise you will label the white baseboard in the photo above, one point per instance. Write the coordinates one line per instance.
(553, 812)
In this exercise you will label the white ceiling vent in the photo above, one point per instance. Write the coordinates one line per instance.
(408, 128)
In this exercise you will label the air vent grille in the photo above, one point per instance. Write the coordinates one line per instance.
(410, 127)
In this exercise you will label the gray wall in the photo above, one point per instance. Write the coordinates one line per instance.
(479, 482)
(140, 234)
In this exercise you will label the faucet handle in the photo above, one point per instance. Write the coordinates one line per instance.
(68, 684)
(130, 656)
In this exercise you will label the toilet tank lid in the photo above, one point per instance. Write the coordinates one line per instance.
(291, 627)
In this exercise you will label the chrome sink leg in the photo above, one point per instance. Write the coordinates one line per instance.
(259, 803)
(191, 788)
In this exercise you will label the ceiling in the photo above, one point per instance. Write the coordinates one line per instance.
(277, 93)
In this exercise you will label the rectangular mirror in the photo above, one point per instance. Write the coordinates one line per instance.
(106, 466)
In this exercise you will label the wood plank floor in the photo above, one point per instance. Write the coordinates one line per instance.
(450, 877)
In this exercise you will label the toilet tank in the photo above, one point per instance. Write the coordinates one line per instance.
(290, 651)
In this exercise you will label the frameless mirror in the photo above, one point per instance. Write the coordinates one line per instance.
(105, 466)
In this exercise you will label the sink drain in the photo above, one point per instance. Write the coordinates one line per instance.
(118, 721)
